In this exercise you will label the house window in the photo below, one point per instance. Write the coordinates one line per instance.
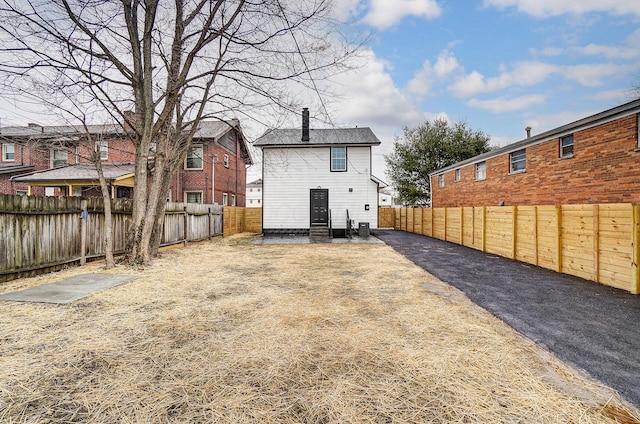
(233, 200)
(194, 158)
(226, 161)
(103, 148)
(566, 146)
(59, 158)
(518, 161)
(8, 152)
(21, 192)
(338, 159)
(481, 171)
(250, 190)
(251, 201)
(441, 181)
(225, 196)
(457, 175)
(193, 196)
(258, 201)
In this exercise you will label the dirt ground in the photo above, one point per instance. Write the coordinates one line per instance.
(226, 331)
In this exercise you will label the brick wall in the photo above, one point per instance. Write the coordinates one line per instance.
(230, 180)
(605, 168)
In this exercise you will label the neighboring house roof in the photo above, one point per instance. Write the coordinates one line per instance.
(9, 168)
(213, 129)
(618, 112)
(256, 183)
(318, 137)
(83, 172)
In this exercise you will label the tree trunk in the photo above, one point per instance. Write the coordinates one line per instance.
(108, 217)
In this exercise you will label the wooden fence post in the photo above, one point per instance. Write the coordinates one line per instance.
(461, 226)
(514, 231)
(209, 219)
(596, 243)
(635, 271)
(559, 238)
(186, 223)
(84, 217)
(535, 234)
(484, 229)
(445, 223)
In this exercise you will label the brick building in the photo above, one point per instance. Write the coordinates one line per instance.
(592, 160)
(52, 160)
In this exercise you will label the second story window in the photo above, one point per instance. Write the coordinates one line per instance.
(103, 148)
(518, 161)
(441, 181)
(226, 161)
(481, 171)
(338, 159)
(8, 152)
(59, 158)
(457, 175)
(566, 146)
(194, 158)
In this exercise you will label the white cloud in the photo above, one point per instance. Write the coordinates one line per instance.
(547, 51)
(384, 13)
(592, 75)
(546, 8)
(523, 74)
(369, 96)
(503, 104)
(445, 66)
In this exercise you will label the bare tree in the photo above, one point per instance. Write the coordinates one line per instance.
(174, 63)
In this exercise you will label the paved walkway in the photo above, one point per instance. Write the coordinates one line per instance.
(593, 327)
(68, 290)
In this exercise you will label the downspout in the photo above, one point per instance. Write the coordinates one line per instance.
(213, 178)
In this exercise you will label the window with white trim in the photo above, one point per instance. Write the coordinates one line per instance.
(225, 198)
(566, 146)
(441, 181)
(233, 200)
(226, 161)
(59, 158)
(481, 171)
(21, 192)
(518, 161)
(103, 147)
(338, 159)
(193, 196)
(8, 152)
(457, 174)
(194, 158)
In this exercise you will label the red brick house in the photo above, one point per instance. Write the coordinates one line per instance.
(54, 160)
(592, 160)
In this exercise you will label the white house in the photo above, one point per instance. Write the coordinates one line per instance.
(254, 194)
(314, 178)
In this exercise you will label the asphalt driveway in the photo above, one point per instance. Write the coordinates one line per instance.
(591, 326)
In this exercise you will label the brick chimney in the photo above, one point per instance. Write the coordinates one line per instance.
(129, 121)
(305, 124)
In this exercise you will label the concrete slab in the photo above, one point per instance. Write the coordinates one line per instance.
(68, 290)
(306, 240)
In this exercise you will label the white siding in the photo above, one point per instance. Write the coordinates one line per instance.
(290, 173)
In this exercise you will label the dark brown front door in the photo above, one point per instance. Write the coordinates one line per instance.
(319, 207)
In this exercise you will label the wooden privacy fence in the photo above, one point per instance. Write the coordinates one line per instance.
(597, 242)
(40, 234)
(239, 220)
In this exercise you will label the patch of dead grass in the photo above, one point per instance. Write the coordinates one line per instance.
(225, 331)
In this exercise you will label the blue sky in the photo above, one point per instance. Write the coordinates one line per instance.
(499, 65)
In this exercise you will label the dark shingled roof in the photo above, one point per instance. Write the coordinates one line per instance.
(318, 137)
(82, 172)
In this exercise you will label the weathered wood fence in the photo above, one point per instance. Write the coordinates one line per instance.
(597, 242)
(40, 234)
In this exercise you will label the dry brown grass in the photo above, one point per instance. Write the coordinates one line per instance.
(224, 331)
